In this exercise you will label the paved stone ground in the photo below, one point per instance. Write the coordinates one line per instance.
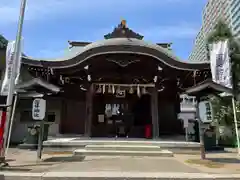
(25, 161)
(230, 160)
(126, 164)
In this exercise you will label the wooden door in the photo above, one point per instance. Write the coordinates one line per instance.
(74, 118)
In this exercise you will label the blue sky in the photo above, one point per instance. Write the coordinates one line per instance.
(49, 24)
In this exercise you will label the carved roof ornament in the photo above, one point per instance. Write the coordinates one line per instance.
(123, 62)
(122, 31)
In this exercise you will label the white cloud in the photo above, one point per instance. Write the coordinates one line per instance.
(161, 32)
(155, 34)
(43, 9)
(47, 9)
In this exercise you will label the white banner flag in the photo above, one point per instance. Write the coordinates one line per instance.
(9, 68)
(220, 64)
(18, 65)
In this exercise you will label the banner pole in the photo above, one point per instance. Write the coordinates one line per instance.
(11, 123)
(236, 124)
(2, 125)
(17, 56)
(219, 63)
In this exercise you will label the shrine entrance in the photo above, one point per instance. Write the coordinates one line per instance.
(124, 112)
(116, 86)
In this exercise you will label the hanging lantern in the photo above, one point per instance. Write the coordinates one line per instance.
(131, 90)
(138, 91)
(109, 89)
(144, 91)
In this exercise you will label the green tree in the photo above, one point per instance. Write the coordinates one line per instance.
(222, 107)
(223, 32)
(3, 42)
(3, 45)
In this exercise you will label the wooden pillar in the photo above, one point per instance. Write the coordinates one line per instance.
(201, 131)
(89, 111)
(154, 109)
(63, 116)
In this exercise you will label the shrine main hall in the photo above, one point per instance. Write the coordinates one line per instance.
(111, 88)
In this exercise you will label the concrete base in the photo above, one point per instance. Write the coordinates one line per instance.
(215, 148)
(28, 146)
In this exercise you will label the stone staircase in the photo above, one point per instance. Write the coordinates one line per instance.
(111, 146)
(122, 149)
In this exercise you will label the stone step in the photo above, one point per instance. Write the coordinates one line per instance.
(70, 144)
(118, 147)
(88, 152)
(81, 143)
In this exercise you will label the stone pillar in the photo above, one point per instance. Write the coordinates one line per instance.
(154, 109)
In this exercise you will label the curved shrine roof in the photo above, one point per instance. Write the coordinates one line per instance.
(117, 45)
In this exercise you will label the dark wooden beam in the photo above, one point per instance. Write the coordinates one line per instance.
(154, 108)
(89, 110)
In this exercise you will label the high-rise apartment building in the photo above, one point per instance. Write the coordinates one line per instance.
(235, 17)
(214, 11)
(199, 52)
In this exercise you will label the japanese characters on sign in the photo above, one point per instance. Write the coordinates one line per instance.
(38, 109)
(219, 67)
(205, 112)
(9, 68)
(220, 64)
(208, 112)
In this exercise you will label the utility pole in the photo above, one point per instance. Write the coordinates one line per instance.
(11, 89)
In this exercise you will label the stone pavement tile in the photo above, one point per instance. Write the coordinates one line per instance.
(126, 164)
(26, 160)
